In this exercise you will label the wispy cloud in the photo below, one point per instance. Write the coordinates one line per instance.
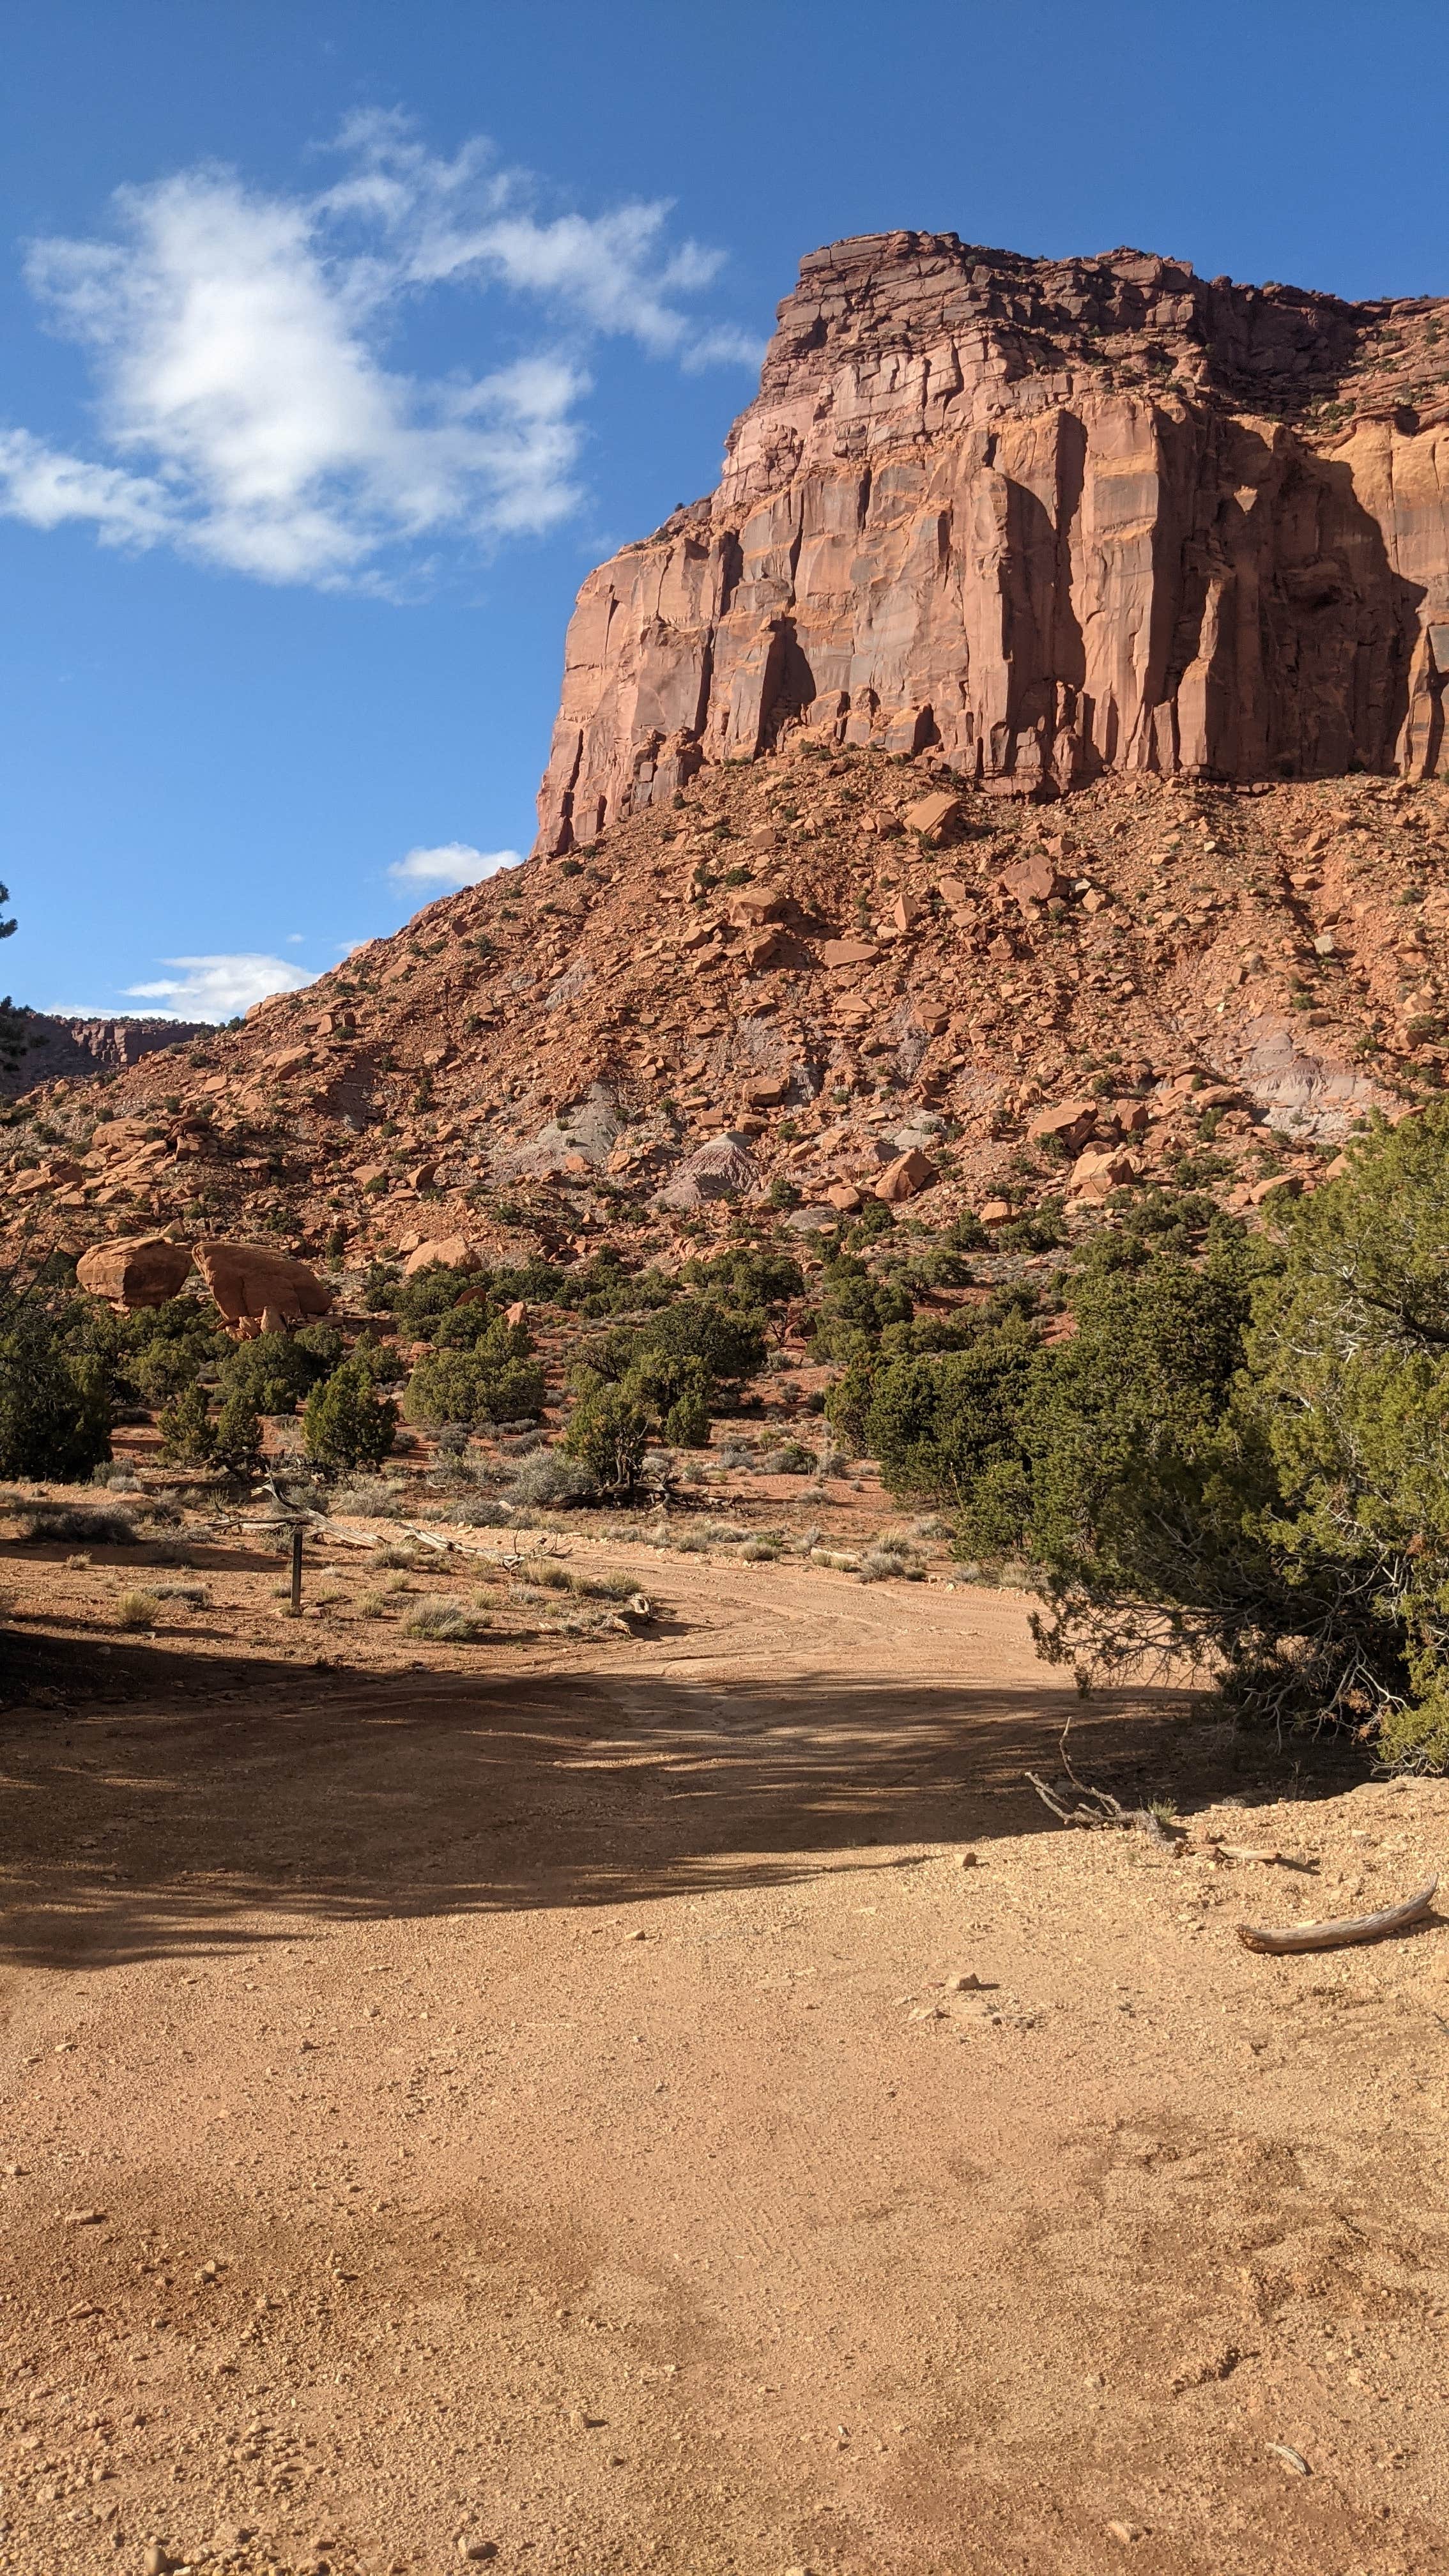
(245, 408)
(452, 863)
(218, 987)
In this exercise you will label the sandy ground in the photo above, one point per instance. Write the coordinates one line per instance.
(518, 2110)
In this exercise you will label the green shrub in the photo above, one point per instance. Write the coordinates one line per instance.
(686, 1424)
(187, 1438)
(746, 1279)
(608, 1434)
(727, 1339)
(419, 1302)
(493, 1381)
(874, 1220)
(238, 1434)
(951, 1428)
(348, 1424)
(268, 1374)
(1043, 1231)
(55, 1410)
(463, 1327)
(322, 1343)
(379, 1286)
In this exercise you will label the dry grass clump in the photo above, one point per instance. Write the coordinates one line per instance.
(138, 1609)
(373, 1605)
(195, 1595)
(549, 1479)
(445, 1623)
(891, 1560)
(606, 1587)
(544, 1574)
(369, 1497)
(78, 1520)
(791, 1459)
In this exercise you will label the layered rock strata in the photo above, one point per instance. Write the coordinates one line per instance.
(1045, 519)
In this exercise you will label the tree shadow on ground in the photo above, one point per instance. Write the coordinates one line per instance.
(210, 1812)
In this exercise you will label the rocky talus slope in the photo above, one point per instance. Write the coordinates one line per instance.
(803, 980)
(1046, 518)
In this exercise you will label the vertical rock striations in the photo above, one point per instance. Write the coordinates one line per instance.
(1046, 518)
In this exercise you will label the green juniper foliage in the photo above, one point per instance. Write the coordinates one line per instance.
(348, 1423)
(1237, 1452)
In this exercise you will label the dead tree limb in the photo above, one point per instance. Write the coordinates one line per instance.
(1343, 1934)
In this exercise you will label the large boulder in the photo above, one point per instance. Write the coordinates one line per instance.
(444, 1252)
(1066, 1122)
(142, 1270)
(906, 1177)
(255, 1285)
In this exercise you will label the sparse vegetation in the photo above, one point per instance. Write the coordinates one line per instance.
(138, 1609)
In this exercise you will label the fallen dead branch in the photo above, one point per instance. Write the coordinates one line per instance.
(1097, 1809)
(1344, 1933)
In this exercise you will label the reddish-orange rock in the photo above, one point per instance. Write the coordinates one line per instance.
(756, 905)
(1100, 1169)
(1033, 880)
(906, 1177)
(1071, 1121)
(960, 515)
(447, 1252)
(247, 1279)
(933, 816)
(147, 1270)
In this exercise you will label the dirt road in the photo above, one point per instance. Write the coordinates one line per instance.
(524, 2114)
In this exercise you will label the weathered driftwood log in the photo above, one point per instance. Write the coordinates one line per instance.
(1340, 1935)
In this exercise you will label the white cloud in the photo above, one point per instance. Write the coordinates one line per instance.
(238, 341)
(452, 863)
(218, 987)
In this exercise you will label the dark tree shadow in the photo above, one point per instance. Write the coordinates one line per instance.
(198, 1800)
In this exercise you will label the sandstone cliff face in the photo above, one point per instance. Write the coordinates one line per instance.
(1045, 519)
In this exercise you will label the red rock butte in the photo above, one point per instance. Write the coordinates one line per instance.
(1046, 518)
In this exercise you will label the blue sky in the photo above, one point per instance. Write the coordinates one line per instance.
(345, 336)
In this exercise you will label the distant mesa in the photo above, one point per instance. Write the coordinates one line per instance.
(1043, 519)
(38, 1046)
